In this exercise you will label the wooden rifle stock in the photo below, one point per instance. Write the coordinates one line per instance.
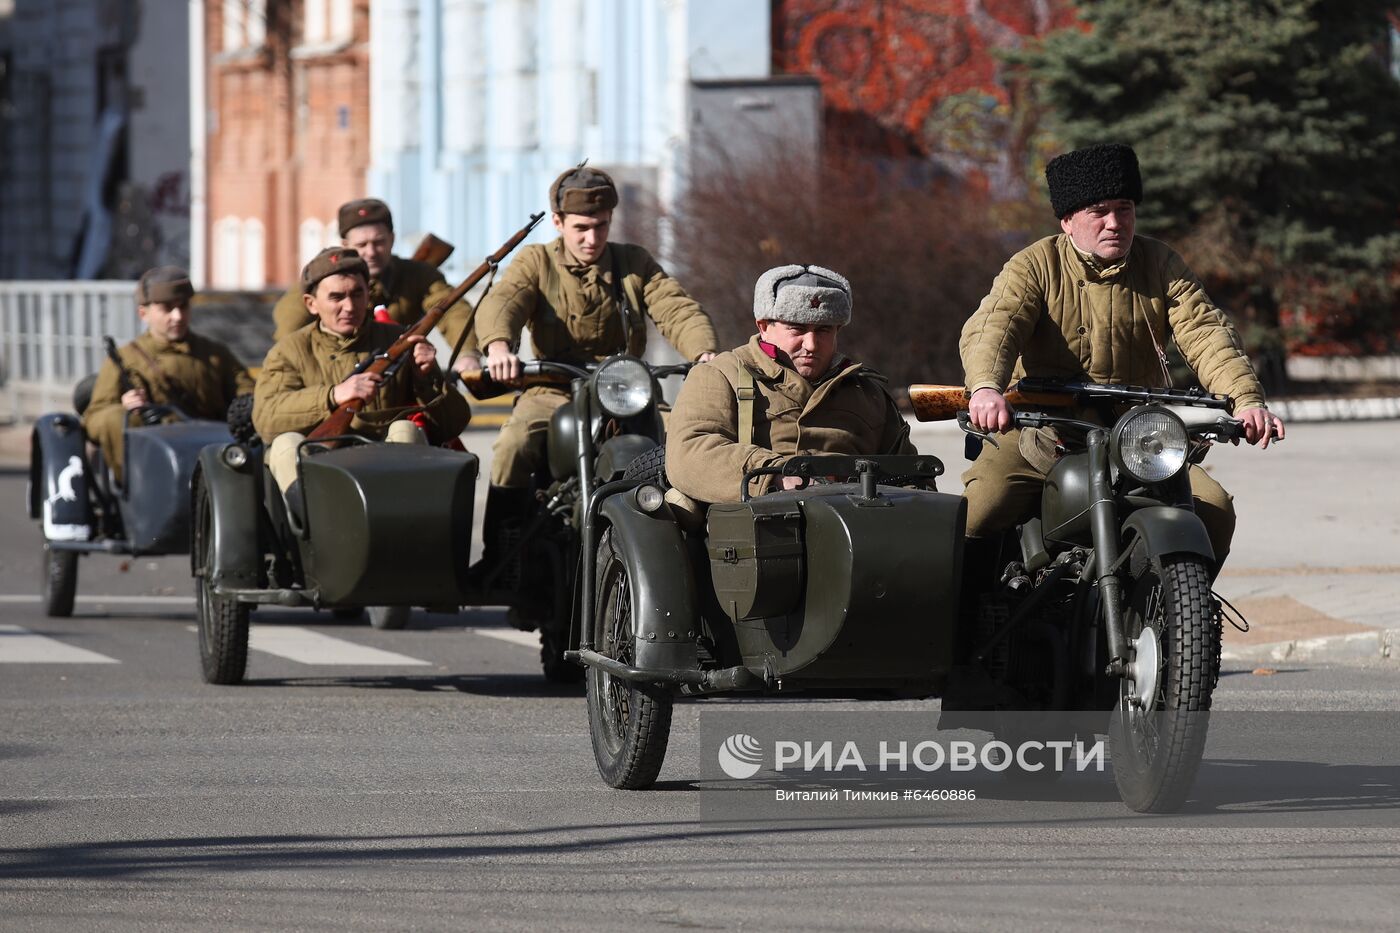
(432, 250)
(339, 421)
(482, 387)
(940, 403)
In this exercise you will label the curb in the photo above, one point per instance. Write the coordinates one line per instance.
(1378, 645)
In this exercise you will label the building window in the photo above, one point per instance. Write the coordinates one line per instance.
(228, 238)
(333, 232)
(254, 273)
(245, 24)
(328, 21)
(311, 237)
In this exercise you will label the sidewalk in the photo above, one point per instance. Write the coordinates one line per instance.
(1313, 614)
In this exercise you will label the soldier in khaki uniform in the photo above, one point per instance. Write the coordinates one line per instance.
(802, 396)
(169, 364)
(583, 299)
(1099, 304)
(308, 374)
(405, 288)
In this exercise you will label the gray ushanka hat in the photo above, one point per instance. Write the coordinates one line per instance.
(802, 295)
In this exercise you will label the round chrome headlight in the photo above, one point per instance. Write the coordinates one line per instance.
(624, 387)
(1149, 444)
(235, 456)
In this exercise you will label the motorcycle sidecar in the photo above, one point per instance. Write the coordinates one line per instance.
(380, 525)
(82, 511)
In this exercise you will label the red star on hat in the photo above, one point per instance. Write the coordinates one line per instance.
(816, 302)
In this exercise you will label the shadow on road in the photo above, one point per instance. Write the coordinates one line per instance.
(494, 685)
(1230, 794)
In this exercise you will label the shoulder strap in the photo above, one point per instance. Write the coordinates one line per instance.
(746, 394)
(630, 319)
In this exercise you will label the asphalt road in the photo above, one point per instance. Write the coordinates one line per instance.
(441, 784)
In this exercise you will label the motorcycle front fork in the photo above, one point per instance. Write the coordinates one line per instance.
(1103, 524)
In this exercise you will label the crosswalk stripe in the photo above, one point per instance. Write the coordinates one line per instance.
(18, 645)
(307, 647)
(514, 636)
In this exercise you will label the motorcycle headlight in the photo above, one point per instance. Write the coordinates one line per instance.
(624, 387)
(1149, 444)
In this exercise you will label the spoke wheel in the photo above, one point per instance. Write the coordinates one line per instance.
(223, 622)
(60, 581)
(629, 722)
(1158, 732)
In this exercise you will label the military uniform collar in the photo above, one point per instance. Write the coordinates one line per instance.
(602, 269)
(340, 341)
(153, 344)
(770, 370)
(1095, 267)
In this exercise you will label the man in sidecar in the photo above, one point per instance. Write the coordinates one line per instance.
(786, 392)
(311, 372)
(1099, 304)
(168, 364)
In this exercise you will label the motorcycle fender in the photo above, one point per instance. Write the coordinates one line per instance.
(1166, 530)
(617, 453)
(58, 479)
(237, 557)
(664, 603)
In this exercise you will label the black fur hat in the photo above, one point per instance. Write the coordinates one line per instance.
(1087, 176)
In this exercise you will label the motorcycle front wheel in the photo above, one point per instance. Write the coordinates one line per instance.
(629, 722)
(223, 622)
(1158, 731)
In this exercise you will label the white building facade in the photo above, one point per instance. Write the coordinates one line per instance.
(476, 105)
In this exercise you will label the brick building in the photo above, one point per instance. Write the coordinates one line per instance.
(287, 138)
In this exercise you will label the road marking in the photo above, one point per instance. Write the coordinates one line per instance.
(307, 647)
(18, 645)
(514, 636)
(112, 600)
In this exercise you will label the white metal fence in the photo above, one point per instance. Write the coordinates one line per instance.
(51, 337)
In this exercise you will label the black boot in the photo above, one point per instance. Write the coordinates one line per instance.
(507, 511)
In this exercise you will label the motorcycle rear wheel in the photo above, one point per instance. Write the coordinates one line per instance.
(1157, 750)
(60, 581)
(629, 722)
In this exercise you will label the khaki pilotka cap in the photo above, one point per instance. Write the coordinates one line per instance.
(168, 285)
(582, 190)
(364, 211)
(333, 260)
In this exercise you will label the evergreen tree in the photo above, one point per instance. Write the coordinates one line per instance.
(1269, 137)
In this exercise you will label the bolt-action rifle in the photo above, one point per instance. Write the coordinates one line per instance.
(126, 382)
(432, 250)
(391, 359)
(939, 403)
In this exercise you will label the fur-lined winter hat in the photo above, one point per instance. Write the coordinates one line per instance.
(1088, 176)
(582, 190)
(802, 295)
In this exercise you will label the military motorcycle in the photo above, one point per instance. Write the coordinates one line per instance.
(620, 401)
(83, 510)
(1102, 603)
(847, 586)
(373, 524)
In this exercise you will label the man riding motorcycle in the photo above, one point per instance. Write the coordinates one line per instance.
(583, 299)
(1099, 304)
